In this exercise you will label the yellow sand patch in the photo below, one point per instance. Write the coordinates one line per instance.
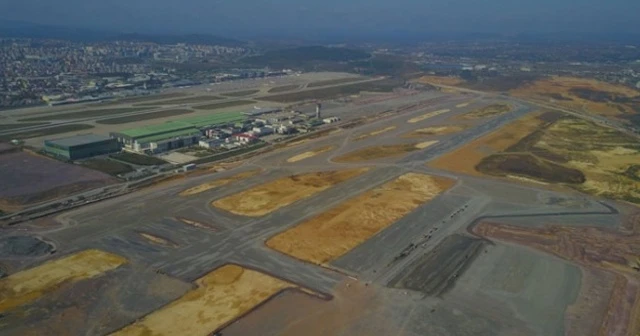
(269, 197)
(488, 111)
(335, 232)
(218, 183)
(221, 297)
(310, 154)
(427, 116)
(374, 133)
(452, 81)
(462, 105)
(375, 153)
(26, 286)
(435, 130)
(423, 145)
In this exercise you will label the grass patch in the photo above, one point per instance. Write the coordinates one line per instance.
(46, 131)
(382, 85)
(86, 114)
(283, 88)
(241, 93)
(379, 152)
(488, 111)
(145, 116)
(224, 105)
(137, 159)
(152, 97)
(108, 166)
(335, 81)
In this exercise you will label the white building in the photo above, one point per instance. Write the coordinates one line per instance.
(211, 143)
(330, 120)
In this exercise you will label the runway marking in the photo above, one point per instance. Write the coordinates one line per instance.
(28, 285)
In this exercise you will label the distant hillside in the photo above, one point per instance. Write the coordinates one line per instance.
(301, 56)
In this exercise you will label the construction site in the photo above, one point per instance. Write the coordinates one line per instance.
(416, 213)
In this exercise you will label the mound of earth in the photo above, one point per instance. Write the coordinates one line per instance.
(24, 246)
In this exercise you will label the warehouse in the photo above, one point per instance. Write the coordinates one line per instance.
(81, 146)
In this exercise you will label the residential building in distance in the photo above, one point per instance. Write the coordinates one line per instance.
(81, 146)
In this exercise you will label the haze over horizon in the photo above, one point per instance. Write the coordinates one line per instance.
(304, 18)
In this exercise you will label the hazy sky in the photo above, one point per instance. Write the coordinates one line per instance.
(317, 17)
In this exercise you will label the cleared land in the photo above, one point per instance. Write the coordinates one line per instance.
(435, 130)
(219, 182)
(587, 95)
(427, 116)
(137, 159)
(380, 152)
(187, 100)
(337, 231)
(269, 197)
(46, 131)
(310, 154)
(221, 297)
(8, 127)
(492, 110)
(27, 178)
(383, 85)
(593, 249)
(374, 133)
(145, 116)
(108, 166)
(93, 113)
(437, 271)
(224, 105)
(556, 148)
(241, 93)
(335, 81)
(29, 285)
(283, 88)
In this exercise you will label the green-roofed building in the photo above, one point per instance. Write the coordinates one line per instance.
(173, 134)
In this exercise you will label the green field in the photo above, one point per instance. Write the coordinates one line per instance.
(46, 131)
(188, 100)
(224, 105)
(335, 81)
(86, 114)
(8, 127)
(145, 116)
(241, 93)
(284, 88)
(382, 85)
(106, 166)
(137, 159)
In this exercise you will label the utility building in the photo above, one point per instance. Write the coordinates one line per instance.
(81, 146)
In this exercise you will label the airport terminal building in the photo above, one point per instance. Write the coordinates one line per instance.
(174, 134)
(81, 146)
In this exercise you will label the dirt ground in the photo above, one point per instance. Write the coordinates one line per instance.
(373, 133)
(336, 231)
(27, 286)
(465, 159)
(310, 154)
(379, 152)
(271, 196)
(427, 116)
(592, 248)
(580, 94)
(218, 183)
(489, 111)
(157, 240)
(452, 81)
(221, 296)
(555, 148)
(434, 130)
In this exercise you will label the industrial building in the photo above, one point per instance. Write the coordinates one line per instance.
(81, 146)
(173, 134)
